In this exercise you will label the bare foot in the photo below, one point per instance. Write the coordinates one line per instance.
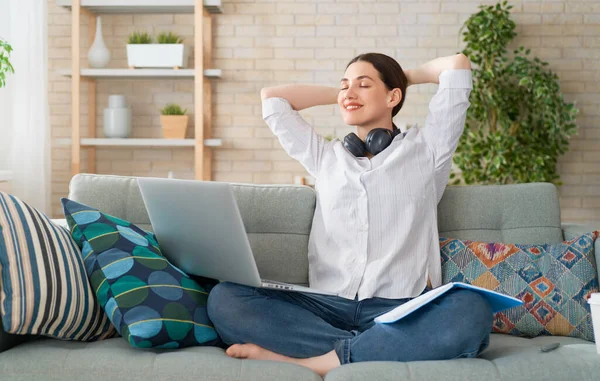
(254, 352)
(319, 364)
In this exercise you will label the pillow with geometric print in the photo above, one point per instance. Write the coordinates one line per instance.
(151, 303)
(553, 280)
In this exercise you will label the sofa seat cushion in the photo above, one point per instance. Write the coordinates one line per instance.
(507, 358)
(114, 359)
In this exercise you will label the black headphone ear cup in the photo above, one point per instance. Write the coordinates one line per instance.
(353, 144)
(378, 139)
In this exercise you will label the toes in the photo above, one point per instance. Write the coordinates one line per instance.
(233, 351)
(239, 351)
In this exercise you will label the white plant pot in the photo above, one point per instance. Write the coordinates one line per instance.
(157, 55)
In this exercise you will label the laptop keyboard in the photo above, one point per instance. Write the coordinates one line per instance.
(273, 281)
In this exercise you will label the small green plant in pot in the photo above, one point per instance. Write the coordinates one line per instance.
(518, 123)
(173, 121)
(169, 52)
(5, 65)
(139, 38)
(169, 38)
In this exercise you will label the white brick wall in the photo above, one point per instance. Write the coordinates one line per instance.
(264, 43)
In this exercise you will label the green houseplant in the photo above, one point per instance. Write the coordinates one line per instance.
(518, 123)
(5, 65)
(169, 52)
(139, 38)
(173, 121)
(169, 38)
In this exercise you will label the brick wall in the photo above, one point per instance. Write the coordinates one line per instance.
(264, 43)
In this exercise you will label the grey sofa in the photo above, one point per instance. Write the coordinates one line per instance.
(278, 220)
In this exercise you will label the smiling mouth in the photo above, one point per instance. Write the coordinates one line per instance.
(353, 108)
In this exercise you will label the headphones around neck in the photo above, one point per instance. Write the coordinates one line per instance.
(377, 140)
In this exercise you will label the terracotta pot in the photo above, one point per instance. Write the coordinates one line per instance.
(174, 126)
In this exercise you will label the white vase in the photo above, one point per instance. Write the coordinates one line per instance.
(98, 55)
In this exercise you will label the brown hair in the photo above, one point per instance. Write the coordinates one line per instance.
(390, 73)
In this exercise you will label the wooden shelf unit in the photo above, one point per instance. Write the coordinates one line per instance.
(142, 6)
(138, 142)
(202, 143)
(140, 73)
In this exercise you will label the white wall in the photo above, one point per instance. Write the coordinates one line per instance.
(5, 117)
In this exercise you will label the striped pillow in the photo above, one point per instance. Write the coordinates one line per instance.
(44, 288)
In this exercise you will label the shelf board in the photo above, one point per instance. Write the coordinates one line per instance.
(5, 175)
(143, 6)
(136, 142)
(141, 73)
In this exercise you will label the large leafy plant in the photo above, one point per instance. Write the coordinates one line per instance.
(518, 123)
(5, 65)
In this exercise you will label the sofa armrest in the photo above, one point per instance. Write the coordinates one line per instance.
(572, 230)
(61, 222)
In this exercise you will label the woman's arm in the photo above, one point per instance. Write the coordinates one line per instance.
(430, 72)
(302, 96)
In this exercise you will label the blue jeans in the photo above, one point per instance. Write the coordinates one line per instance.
(302, 325)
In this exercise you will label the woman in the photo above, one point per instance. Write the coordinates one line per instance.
(374, 238)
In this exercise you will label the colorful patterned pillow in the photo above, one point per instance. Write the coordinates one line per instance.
(44, 289)
(151, 303)
(554, 281)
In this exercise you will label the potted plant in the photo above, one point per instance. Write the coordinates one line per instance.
(518, 123)
(5, 65)
(168, 52)
(173, 121)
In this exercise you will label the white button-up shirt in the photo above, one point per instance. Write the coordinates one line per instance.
(374, 231)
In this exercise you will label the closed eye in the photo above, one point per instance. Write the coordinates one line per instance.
(345, 88)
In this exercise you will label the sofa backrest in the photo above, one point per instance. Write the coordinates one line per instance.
(518, 213)
(278, 218)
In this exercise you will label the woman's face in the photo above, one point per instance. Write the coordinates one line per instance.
(364, 99)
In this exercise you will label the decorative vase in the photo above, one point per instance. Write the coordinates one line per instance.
(174, 126)
(98, 55)
(117, 118)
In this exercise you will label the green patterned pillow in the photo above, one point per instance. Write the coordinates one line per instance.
(151, 303)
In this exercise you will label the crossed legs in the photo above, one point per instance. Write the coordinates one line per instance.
(320, 332)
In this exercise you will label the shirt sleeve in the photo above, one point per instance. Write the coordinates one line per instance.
(297, 137)
(446, 121)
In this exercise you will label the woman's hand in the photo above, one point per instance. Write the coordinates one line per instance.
(430, 71)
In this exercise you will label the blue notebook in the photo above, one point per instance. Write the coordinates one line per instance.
(497, 300)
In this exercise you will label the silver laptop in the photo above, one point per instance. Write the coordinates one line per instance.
(200, 230)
